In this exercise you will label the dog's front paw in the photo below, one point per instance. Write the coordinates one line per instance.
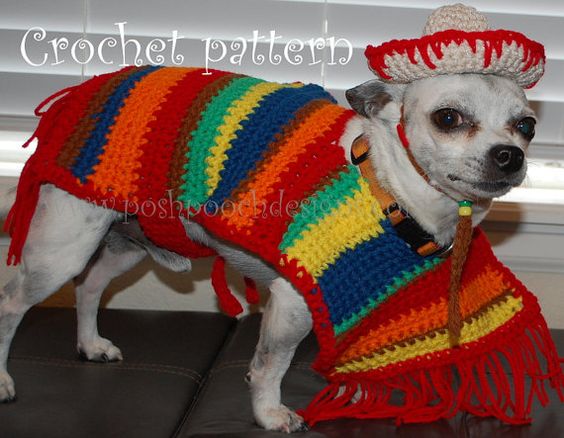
(7, 389)
(281, 419)
(99, 350)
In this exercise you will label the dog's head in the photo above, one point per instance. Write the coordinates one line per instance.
(468, 132)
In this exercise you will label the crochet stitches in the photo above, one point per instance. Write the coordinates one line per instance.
(258, 164)
(456, 39)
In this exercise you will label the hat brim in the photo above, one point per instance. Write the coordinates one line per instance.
(497, 52)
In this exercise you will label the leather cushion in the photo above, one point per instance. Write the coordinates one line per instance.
(223, 409)
(166, 357)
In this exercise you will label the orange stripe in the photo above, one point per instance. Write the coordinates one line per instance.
(269, 172)
(119, 162)
(474, 296)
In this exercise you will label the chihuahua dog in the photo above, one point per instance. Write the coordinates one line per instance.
(468, 132)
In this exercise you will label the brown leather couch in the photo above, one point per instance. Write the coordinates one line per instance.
(183, 376)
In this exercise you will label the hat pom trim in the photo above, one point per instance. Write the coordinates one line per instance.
(418, 58)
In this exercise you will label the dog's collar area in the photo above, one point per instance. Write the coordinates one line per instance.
(406, 227)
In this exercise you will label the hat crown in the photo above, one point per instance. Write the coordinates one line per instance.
(458, 17)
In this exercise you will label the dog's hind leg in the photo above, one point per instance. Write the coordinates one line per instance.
(286, 322)
(124, 246)
(116, 256)
(63, 235)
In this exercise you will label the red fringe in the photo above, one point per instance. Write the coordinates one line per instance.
(227, 301)
(251, 292)
(402, 136)
(19, 218)
(483, 386)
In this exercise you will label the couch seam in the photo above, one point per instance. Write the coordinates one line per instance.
(239, 364)
(184, 372)
(204, 382)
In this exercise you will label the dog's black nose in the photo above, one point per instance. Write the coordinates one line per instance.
(507, 158)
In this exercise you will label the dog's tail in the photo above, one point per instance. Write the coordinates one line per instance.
(7, 199)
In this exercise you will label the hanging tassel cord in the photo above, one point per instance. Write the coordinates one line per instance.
(19, 218)
(56, 105)
(227, 301)
(462, 239)
(492, 383)
(251, 291)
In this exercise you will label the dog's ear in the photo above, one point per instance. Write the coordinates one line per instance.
(369, 98)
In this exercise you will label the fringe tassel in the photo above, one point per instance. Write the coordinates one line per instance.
(462, 240)
(251, 292)
(19, 218)
(492, 384)
(227, 301)
(38, 110)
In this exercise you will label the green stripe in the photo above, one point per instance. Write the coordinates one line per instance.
(399, 282)
(195, 188)
(321, 204)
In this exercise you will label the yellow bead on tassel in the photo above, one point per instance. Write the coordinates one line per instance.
(465, 208)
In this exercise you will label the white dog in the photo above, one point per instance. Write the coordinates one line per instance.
(461, 106)
(468, 132)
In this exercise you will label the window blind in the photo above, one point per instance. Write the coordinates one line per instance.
(358, 22)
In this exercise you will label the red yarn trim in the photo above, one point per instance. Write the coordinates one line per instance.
(19, 218)
(431, 391)
(402, 136)
(251, 292)
(227, 301)
(52, 97)
(493, 40)
(169, 232)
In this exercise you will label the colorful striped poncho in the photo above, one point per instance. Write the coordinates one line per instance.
(259, 165)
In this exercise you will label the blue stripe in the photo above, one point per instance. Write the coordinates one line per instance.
(258, 131)
(94, 145)
(364, 272)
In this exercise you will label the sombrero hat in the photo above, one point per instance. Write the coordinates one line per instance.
(457, 39)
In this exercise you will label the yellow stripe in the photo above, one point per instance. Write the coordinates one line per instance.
(356, 220)
(497, 315)
(238, 112)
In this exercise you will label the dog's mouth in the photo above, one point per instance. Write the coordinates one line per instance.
(492, 187)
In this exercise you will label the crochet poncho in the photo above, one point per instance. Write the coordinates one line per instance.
(259, 165)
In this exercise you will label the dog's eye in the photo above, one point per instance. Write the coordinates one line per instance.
(526, 127)
(447, 118)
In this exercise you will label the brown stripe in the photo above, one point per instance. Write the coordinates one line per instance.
(442, 330)
(188, 126)
(72, 147)
(280, 139)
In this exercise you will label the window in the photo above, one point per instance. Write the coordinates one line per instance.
(360, 22)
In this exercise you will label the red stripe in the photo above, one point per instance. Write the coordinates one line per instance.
(158, 215)
(157, 151)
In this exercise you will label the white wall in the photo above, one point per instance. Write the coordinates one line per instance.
(148, 286)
